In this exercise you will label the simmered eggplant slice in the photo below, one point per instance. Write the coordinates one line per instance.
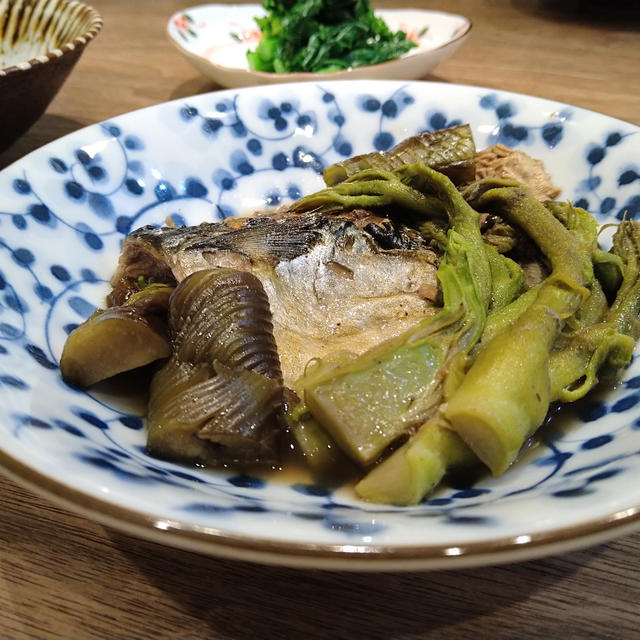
(451, 151)
(118, 339)
(219, 397)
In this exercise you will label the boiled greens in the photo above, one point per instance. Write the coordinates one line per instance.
(475, 381)
(323, 36)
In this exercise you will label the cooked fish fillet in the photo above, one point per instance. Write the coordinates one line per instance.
(499, 161)
(334, 283)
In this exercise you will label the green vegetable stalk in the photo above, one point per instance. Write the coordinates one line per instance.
(370, 401)
(547, 344)
(417, 467)
(584, 229)
(626, 306)
(506, 393)
(603, 337)
(373, 189)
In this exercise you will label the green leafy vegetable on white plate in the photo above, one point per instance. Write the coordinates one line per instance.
(323, 36)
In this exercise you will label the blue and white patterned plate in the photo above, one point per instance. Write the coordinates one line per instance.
(64, 212)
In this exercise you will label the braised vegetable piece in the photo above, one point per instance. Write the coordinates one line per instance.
(602, 338)
(367, 403)
(118, 339)
(317, 451)
(545, 344)
(626, 306)
(417, 467)
(373, 189)
(505, 395)
(219, 396)
(322, 36)
(451, 151)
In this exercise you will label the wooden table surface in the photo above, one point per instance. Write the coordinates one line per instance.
(62, 576)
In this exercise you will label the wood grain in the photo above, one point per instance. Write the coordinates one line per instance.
(62, 576)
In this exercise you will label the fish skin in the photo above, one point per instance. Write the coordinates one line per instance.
(335, 283)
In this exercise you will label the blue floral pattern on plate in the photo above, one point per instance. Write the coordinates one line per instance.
(64, 211)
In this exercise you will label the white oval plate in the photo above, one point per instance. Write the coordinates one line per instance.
(64, 211)
(215, 39)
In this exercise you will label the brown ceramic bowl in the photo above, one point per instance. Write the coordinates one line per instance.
(40, 42)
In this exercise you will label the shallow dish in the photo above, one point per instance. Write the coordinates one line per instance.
(215, 39)
(65, 209)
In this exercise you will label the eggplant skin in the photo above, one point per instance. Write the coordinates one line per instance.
(213, 415)
(218, 399)
(450, 151)
(223, 315)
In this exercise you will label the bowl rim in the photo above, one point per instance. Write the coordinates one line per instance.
(95, 23)
(377, 557)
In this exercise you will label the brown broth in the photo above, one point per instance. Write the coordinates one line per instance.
(129, 393)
